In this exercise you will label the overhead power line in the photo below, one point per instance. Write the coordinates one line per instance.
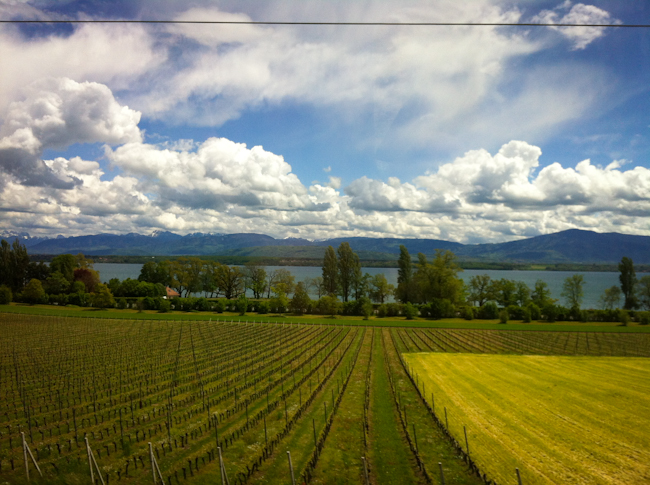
(252, 22)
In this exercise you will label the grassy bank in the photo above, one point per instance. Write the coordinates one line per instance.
(72, 311)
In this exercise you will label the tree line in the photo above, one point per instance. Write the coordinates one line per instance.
(67, 279)
(428, 288)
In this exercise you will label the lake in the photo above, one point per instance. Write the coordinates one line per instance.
(595, 282)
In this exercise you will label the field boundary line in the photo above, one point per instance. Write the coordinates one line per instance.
(457, 446)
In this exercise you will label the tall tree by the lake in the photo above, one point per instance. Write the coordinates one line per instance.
(628, 282)
(330, 272)
(404, 276)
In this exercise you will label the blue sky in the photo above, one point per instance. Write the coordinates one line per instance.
(472, 134)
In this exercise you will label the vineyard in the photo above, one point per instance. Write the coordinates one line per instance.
(227, 402)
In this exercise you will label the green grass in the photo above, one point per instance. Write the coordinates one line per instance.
(340, 460)
(389, 457)
(431, 443)
(579, 420)
(73, 311)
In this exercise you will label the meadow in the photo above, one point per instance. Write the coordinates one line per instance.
(337, 397)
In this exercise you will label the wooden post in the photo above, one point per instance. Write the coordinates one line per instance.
(224, 475)
(154, 467)
(74, 420)
(122, 429)
(293, 479)
(518, 476)
(466, 442)
(25, 455)
(365, 470)
(446, 420)
(442, 474)
(313, 425)
(266, 438)
(415, 437)
(26, 450)
(90, 462)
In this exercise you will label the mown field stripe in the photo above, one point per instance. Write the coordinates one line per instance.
(558, 419)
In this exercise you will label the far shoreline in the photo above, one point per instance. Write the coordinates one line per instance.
(311, 262)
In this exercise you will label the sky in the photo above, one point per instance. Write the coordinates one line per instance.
(462, 133)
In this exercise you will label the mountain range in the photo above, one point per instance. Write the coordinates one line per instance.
(571, 246)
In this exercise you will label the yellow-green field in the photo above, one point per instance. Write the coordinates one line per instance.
(560, 420)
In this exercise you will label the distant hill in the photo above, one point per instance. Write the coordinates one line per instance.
(169, 244)
(572, 246)
(391, 245)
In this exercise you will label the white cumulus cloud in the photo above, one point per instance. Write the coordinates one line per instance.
(55, 113)
(480, 196)
(566, 13)
(221, 174)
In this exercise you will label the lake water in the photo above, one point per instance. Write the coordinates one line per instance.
(595, 282)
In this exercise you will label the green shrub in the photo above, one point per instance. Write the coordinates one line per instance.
(220, 306)
(242, 305)
(164, 306)
(34, 292)
(382, 311)
(394, 309)
(140, 305)
(366, 309)
(438, 308)
(349, 308)
(262, 307)
(60, 300)
(79, 299)
(468, 313)
(644, 318)
(410, 312)
(550, 313)
(102, 298)
(526, 315)
(280, 303)
(5, 295)
(489, 311)
(515, 312)
(202, 305)
(535, 312)
(503, 316)
(329, 305)
(575, 314)
(78, 287)
(149, 303)
(121, 303)
(623, 317)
